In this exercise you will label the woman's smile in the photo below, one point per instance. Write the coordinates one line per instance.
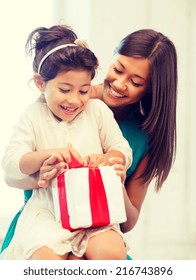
(114, 93)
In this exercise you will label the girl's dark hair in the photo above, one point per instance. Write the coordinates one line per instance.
(159, 102)
(42, 40)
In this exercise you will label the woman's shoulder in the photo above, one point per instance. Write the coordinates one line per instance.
(133, 129)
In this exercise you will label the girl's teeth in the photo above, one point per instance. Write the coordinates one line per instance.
(69, 109)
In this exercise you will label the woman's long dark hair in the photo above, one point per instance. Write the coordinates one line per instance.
(159, 102)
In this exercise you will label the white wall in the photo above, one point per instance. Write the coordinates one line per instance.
(167, 224)
(17, 20)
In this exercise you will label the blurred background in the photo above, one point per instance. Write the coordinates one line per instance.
(167, 225)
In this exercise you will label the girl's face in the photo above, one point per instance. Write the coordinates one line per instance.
(67, 94)
(127, 81)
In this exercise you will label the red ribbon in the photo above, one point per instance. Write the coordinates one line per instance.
(98, 199)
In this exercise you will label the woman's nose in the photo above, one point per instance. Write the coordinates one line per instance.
(120, 84)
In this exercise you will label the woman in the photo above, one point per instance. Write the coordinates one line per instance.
(141, 90)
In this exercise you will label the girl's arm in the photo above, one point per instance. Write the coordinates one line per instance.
(31, 162)
(49, 168)
(42, 178)
(134, 194)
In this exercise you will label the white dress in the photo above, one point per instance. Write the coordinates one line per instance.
(92, 131)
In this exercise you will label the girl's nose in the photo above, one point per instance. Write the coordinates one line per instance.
(73, 98)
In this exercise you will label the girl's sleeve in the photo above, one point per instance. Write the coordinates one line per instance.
(22, 141)
(111, 135)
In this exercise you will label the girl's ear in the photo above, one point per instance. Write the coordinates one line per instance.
(38, 80)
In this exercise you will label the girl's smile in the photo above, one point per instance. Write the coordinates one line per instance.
(68, 93)
(69, 110)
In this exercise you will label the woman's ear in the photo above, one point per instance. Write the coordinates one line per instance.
(38, 80)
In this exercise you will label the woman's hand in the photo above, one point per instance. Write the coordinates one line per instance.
(49, 170)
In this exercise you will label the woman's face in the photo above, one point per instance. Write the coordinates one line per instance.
(127, 81)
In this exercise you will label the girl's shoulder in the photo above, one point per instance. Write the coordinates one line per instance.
(97, 105)
(35, 112)
(35, 105)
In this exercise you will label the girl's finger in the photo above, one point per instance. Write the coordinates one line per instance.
(51, 160)
(50, 174)
(75, 153)
(114, 160)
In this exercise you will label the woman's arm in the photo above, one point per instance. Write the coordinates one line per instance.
(27, 183)
(96, 91)
(134, 194)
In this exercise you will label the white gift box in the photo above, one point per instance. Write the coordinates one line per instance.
(88, 197)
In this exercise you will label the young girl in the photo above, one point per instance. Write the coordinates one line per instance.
(63, 70)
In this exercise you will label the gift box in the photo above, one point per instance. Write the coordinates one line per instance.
(86, 197)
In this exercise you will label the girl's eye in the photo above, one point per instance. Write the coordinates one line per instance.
(64, 90)
(83, 91)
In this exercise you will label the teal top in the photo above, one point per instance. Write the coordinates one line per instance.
(138, 141)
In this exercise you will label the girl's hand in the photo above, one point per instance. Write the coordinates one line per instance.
(56, 164)
(119, 167)
(94, 160)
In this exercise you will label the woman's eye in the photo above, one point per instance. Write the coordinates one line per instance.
(117, 71)
(136, 84)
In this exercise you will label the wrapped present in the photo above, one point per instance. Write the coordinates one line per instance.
(87, 197)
